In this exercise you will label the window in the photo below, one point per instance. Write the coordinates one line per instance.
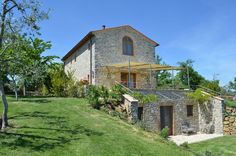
(127, 46)
(189, 110)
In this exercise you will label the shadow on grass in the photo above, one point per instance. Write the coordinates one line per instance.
(36, 100)
(57, 133)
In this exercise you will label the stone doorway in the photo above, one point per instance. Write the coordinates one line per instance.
(166, 114)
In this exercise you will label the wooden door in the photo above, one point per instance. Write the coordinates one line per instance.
(125, 79)
(167, 118)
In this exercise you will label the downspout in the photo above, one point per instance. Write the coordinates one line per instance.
(91, 62)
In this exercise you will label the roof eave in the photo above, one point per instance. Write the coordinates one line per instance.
(78, 45)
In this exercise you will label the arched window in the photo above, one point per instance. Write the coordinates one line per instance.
(127, 46)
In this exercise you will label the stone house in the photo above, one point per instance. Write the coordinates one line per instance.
(174, 109)
(126, 56)
(103, 57)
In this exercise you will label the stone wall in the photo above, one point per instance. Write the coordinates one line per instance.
(206, 118)
(131, 106)
(108, 76)
(108, 50)
(230, 121)
(79, 62)
(152, 115)
(211, 116)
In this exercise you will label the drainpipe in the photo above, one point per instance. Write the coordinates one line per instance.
(91, 62)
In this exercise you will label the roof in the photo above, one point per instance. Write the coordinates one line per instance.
(142, 65)
(93, 33)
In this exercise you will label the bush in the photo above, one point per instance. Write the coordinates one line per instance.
(144, 99)
(115, 95)
(198, 96)
(103, 94)
(164, 132)
(93, 96)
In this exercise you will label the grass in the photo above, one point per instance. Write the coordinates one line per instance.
(224, 146)
(230, 103)
(69, 126)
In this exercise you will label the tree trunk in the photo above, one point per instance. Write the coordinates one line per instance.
(16, 94)
(5, 106)
(24, 91)
(2, 93)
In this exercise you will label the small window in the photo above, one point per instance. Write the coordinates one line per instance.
(127, 44)
(140, 113)
(189, 110)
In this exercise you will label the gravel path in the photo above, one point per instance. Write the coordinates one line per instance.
(179, 139)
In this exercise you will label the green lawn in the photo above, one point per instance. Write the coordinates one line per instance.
(226, 146)
(68, 126)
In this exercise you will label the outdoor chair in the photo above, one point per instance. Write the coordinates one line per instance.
(186, 128)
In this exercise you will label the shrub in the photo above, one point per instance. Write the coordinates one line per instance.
(93, 96)
(144, 99)
(103, 93)
(115, 94)
(198, 96)
(164, 132)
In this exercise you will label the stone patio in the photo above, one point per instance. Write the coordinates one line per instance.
(180, 139)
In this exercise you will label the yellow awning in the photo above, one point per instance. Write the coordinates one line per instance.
(142, 65)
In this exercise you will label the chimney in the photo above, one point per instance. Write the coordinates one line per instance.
(103, 27)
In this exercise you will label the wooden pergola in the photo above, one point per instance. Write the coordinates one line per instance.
(142, 66)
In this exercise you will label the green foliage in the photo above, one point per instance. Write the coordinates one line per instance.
(100, 95)
(232, 84)
(58, 83)
(230, 103)
(104, 94)
(58, 80)
(164, 133)
(116, 93)
(213, 85)
(74, 88)
(163, 78)
(198, 96)
(93, 96)
(144, 98)
(194, 77)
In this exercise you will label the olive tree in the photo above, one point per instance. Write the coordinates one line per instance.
(17, 17)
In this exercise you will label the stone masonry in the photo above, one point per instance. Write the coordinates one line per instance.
(206, 118)
(107, 50)
(230, 121)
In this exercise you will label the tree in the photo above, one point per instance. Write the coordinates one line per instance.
(188, 76)
(16, 17)
(31, 66)
(232, 84)
(163, 78)
(36, 65)
(213, 85)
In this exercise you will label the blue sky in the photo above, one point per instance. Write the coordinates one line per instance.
(201, 30)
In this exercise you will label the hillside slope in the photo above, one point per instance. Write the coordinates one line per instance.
(67, 126)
